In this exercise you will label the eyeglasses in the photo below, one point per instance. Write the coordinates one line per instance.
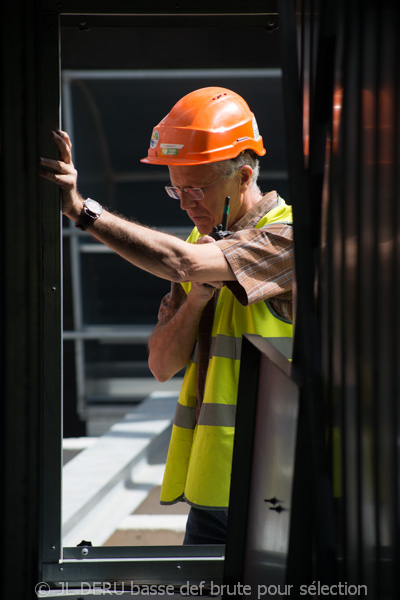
(195, 193)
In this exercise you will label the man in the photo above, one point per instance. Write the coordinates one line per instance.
(220, 289)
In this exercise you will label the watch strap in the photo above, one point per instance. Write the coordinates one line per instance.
(87, 217)
(84, 220)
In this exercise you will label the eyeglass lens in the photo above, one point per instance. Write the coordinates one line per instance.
(174, 192)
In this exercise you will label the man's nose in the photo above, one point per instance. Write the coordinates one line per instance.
(187, 201)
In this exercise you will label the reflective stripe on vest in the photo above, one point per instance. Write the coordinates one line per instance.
(231, 347)
(199, 458)
(219, 415)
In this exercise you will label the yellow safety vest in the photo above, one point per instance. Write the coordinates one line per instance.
(198, 468)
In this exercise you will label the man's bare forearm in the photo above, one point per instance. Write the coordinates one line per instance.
(171, 343)
(162, 255)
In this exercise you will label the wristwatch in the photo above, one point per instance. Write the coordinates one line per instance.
(90, 213)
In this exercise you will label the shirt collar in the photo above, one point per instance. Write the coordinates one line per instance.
(252, 217)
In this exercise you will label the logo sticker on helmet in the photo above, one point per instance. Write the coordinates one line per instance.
(176, 146)
(154, 139)
(255, 129)
(170, 149)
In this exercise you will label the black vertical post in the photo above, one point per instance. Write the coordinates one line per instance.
(30, 292)
(312, 501)
(50, 303)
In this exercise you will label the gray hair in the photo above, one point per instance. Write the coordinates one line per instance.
(232, 165)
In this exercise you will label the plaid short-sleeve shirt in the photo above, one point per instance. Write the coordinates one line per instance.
(261, 259)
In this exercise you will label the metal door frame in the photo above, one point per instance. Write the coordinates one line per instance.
(73, 565)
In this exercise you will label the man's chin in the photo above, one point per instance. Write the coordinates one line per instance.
(203, 228)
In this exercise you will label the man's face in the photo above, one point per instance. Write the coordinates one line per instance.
(207, 212)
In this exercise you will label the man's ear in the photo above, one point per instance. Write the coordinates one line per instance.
(246, 173)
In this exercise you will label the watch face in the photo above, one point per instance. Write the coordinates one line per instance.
(93, 206)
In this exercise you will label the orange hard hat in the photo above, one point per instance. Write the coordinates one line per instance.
(205, 126)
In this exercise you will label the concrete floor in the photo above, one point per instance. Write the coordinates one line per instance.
(150, 537)
(150, 524)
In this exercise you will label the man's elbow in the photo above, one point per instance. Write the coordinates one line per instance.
(160, 374)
